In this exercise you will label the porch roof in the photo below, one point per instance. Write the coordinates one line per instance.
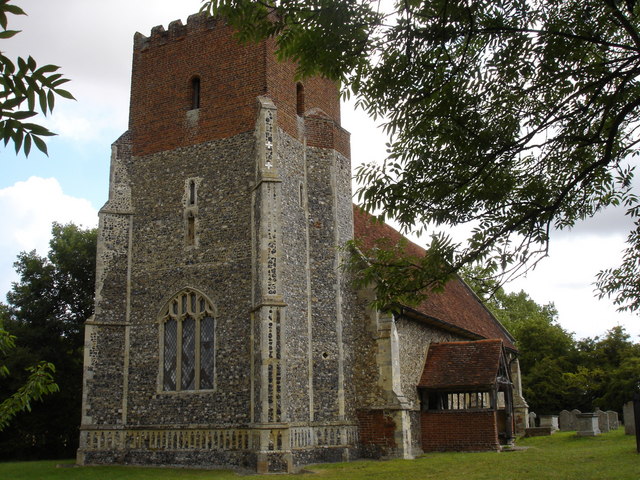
(462, 366)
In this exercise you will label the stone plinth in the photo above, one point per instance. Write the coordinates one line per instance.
(587, 424)
(549, 421)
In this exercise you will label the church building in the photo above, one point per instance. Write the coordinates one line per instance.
(226, 330)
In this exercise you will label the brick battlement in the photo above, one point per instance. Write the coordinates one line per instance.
(198, 22)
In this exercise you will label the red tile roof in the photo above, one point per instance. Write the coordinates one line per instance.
(462, 365)
(456, 307)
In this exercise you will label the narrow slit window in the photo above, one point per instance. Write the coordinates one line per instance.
(195, 93)
(192, 192)
(299, 99)
(191, 229)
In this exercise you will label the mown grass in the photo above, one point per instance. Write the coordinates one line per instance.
(563, 456)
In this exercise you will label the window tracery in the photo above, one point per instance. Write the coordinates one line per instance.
(187, 326)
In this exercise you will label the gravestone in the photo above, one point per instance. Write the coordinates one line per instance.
(532, 419)
(587, 424)
(613, 420)
(629, 419)
(603, 421)
(549, 421)
(575, 412)
(567, 421)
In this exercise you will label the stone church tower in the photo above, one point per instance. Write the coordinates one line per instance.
(222, 323)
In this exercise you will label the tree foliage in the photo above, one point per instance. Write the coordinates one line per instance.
(40, 381)
(25, 88)
(558, 371)
(514, 117)
(46, 311)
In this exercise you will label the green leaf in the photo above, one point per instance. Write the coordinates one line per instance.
(42, 146)
(31, 98)
(27, 145)
(7, 65)
(8, 33)
(46, 69)
(13, 9)
(17, 139)
(64, 93)
(21, 115)
(12, 103)
(43, 101)
(6, 130)
(37, 129)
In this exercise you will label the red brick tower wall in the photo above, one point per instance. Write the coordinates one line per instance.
(165, 63)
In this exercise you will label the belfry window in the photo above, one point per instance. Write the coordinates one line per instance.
(187, 326)
(195, 93)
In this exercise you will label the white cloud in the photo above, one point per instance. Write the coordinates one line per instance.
(566, 278)
(27, 210)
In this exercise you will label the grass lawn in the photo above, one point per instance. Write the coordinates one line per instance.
(564, 456)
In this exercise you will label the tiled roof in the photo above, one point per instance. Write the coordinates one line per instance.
(462, 365)
(456, 307)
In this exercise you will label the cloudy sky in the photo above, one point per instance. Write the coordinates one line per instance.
(92, 41)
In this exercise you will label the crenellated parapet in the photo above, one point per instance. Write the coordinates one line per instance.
(198, 22)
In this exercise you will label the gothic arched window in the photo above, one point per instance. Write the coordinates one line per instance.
(187, 336)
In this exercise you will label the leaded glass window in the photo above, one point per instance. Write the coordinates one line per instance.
(188, 343)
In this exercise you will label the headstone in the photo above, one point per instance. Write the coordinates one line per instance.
(549, 421)
(603, 421)
(629, 419)
(587, 424)
(566, 421)
(613, 420)
(575, 413)
(532, 419)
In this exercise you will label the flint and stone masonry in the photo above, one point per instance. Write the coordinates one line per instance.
(226, 332)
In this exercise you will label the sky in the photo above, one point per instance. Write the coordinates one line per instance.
(92, 40)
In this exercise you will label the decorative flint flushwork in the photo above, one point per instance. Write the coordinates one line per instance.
(274, 365)
(272, 240)
(268, 139)
(220, 439)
